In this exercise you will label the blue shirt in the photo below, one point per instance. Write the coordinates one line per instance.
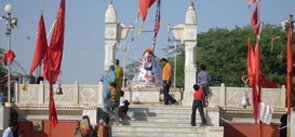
(2, 97)
(204, 78)
(7, 133)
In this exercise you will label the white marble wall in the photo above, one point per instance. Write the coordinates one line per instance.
(91, 95)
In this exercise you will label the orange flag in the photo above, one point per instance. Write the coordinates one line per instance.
(41, 46)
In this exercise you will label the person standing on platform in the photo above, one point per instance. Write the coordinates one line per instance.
(166, 77)
(204, 79)
(198, 103)
(119, 74)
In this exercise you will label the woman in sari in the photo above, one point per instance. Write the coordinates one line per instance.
(107, 78)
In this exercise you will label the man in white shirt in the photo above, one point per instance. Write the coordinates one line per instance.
(8, 132)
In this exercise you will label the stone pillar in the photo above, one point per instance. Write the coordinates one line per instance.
(114, 32)
(292, 127)
(4, 117)
(187, 35)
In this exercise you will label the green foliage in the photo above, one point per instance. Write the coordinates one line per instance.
(131, 69)
(3, 71)
(224, 52)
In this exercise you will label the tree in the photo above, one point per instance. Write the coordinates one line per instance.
(3, 71)
(225, 51)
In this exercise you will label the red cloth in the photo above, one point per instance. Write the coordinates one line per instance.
(265, 83)
(255, 21)
(41, 46)
(250, 63)
(199, 95)
(289, 65)
(56, 45)
(54, 58)
(257, 86)
(8, 57)
(144, 5)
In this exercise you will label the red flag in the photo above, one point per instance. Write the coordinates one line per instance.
(41, 46)
(144, 5)
(54, 58)
(57, 42)
(257, 86)
(255, 21)
(8, 57)
(289, 65)
(250, 63)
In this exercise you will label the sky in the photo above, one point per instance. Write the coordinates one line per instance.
(83, 58)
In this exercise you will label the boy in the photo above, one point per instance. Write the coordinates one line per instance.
(198, 103)
(124, 105)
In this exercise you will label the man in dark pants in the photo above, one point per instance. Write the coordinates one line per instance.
(198, 103)
(166, 77)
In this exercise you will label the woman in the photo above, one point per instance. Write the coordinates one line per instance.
(107, 78)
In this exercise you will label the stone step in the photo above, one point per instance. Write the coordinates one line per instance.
(158, 129)
(151, 134)
(153, 124)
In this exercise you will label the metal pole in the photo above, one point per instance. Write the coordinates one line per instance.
(8, 33)
(174, 63)
(124, 65)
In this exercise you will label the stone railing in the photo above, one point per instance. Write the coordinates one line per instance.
(91, 95)
(73, 95)
(232, 96)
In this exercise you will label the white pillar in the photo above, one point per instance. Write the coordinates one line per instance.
(187, 35)
(114, 32)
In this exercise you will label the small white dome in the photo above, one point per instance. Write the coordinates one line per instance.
(190, 17)
(111, 14)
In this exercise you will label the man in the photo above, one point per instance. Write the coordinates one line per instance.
(166, 77)
(119, 74)
(204, 79)
(8, 132)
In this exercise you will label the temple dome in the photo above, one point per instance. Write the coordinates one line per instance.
(111, 14)
(190, 17)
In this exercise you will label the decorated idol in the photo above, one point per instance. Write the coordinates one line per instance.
(149, 72)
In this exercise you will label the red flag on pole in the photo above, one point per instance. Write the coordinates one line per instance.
(57, 42)
(9, 56)
(54, 58)
(256, 88)
(250, 63)
(289, 65)
(41, 46)
(144, 5)
(255, 21)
